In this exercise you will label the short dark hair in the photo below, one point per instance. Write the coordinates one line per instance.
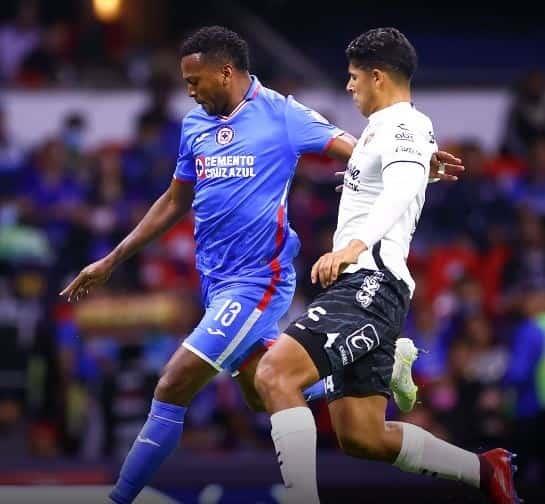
(220, 43)
(384, 48)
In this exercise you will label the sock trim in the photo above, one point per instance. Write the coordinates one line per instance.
(153, 415)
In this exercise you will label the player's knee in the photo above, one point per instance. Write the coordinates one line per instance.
(266, 376)
(270, 377)
(364, 444)
(172, 388)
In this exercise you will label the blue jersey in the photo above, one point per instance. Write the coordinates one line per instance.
(242, 166)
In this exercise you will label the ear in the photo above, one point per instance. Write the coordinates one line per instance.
(377, 76)
(227, 72)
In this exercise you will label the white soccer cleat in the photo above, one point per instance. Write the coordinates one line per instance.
(402, 383)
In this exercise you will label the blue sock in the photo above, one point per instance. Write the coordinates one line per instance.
(316, 391)
(157, 439)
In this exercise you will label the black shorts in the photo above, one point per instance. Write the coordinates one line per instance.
(350, 330)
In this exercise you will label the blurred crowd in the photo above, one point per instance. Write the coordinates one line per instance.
(76, 381)
(75, 48)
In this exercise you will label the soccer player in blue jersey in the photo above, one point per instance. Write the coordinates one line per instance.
(238, 153)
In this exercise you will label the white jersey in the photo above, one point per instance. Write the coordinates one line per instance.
(396, 134)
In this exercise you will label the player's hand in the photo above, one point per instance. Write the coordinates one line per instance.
(328, 268)
(444, 166)
(92, 275)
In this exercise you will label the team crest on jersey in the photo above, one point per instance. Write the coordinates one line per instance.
(225, 135)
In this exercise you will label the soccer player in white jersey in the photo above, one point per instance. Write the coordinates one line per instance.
(349, 332)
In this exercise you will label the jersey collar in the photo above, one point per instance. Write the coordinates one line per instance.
(392, 109)
(251, 94)
(254, 88)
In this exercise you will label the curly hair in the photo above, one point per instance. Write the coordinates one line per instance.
(384, 48)
(218, 43)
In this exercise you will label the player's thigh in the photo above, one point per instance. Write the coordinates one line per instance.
(358, 414)
(287, 365)
(236, 322)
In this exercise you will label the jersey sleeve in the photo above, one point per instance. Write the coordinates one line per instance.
(404, 143)
(308, 131)
(185, 164)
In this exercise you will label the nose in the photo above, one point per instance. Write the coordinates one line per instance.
(191, 91)
(348, 86)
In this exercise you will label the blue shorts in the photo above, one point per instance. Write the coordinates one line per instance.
(240, 317)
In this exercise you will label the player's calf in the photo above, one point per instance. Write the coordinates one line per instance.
(281, 375)
(368, 445)
(184, 375)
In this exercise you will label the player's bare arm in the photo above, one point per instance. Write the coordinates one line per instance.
(163, 214)
(341, 147)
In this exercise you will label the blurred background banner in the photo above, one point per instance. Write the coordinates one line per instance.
(90, 111)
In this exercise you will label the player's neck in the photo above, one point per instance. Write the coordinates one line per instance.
(392, 97)
(240, 88)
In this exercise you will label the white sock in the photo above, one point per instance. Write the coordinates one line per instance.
(294, 436)
(421, 452)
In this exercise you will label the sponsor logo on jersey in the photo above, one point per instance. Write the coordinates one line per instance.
(208, 167)
(403, 133)
(225, 135)
(408, 150)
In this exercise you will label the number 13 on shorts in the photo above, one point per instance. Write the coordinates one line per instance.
(228, 312)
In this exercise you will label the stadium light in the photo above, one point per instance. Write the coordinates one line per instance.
(107, 10)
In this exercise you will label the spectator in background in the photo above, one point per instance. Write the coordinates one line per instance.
(160, 90)
(11, 163)
(73, 133)
(471, 384)
(49, 62)
(531, 191)
(475, 196)
(51, 199)
(526, 268)
(73, 136)
(527, 352)
(18, 39)
(109, 214)
(144, 173)
(526, 119)
(431, 335)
